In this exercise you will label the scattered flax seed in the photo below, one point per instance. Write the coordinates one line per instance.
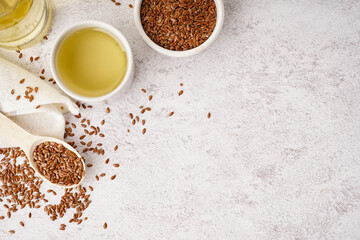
(181, 84)
(37, 58)
(36, 89)
(148, 109)
(102, 175)
(131, 6)
(117, 4)
(128, 130)
(143, 90)
(97, 178)
(107, 161)
(143, 122)
(116, 165)
(116, 147)
(22, 224)
(105, 225)
(42, 71)
(91, 189)
(131, 115)
(18, 51)
(181, 92)
(89, 165)
(30, 214)
(73, 125)
(142, 111)
(38, 106)
(170, 114)
(144, 131)
(101, 135)
(141, 107)
(2, 217)
(113, 177)
(82, 137)
(12, 231)
(31, 59)
(45, 38)
(102, 122)
(150, 97)
(133, 122)
(107, 110)
(209, 115)
(137, 118)
(20, 55)
(9, 214)
(12, 92)
(22, 81)
(18, 97)
(42, 77)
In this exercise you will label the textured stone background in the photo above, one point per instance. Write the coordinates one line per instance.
(280, 156)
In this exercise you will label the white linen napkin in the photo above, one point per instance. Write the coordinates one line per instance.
(46, 120)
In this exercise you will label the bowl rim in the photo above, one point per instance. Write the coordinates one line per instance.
(220, 15)
(106, 28)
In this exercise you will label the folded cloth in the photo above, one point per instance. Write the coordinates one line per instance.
(40, 107)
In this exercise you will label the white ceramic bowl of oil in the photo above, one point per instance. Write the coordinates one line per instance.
(91, 61)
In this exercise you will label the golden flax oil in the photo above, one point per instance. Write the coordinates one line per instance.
(23, 23)
(13, 11)
(91, 63)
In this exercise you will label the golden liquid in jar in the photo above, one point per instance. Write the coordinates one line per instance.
(13, 11)
(23, 23)
(91, 63)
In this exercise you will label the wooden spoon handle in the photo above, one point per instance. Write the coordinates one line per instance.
(14, 133)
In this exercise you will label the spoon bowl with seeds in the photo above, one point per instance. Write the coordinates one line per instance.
(54, 160)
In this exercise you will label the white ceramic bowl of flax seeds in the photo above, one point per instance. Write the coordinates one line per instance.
(220, 13)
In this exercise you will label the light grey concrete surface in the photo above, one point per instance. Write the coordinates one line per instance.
(278, 159)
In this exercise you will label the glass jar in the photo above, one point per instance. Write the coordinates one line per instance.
(23, 23)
